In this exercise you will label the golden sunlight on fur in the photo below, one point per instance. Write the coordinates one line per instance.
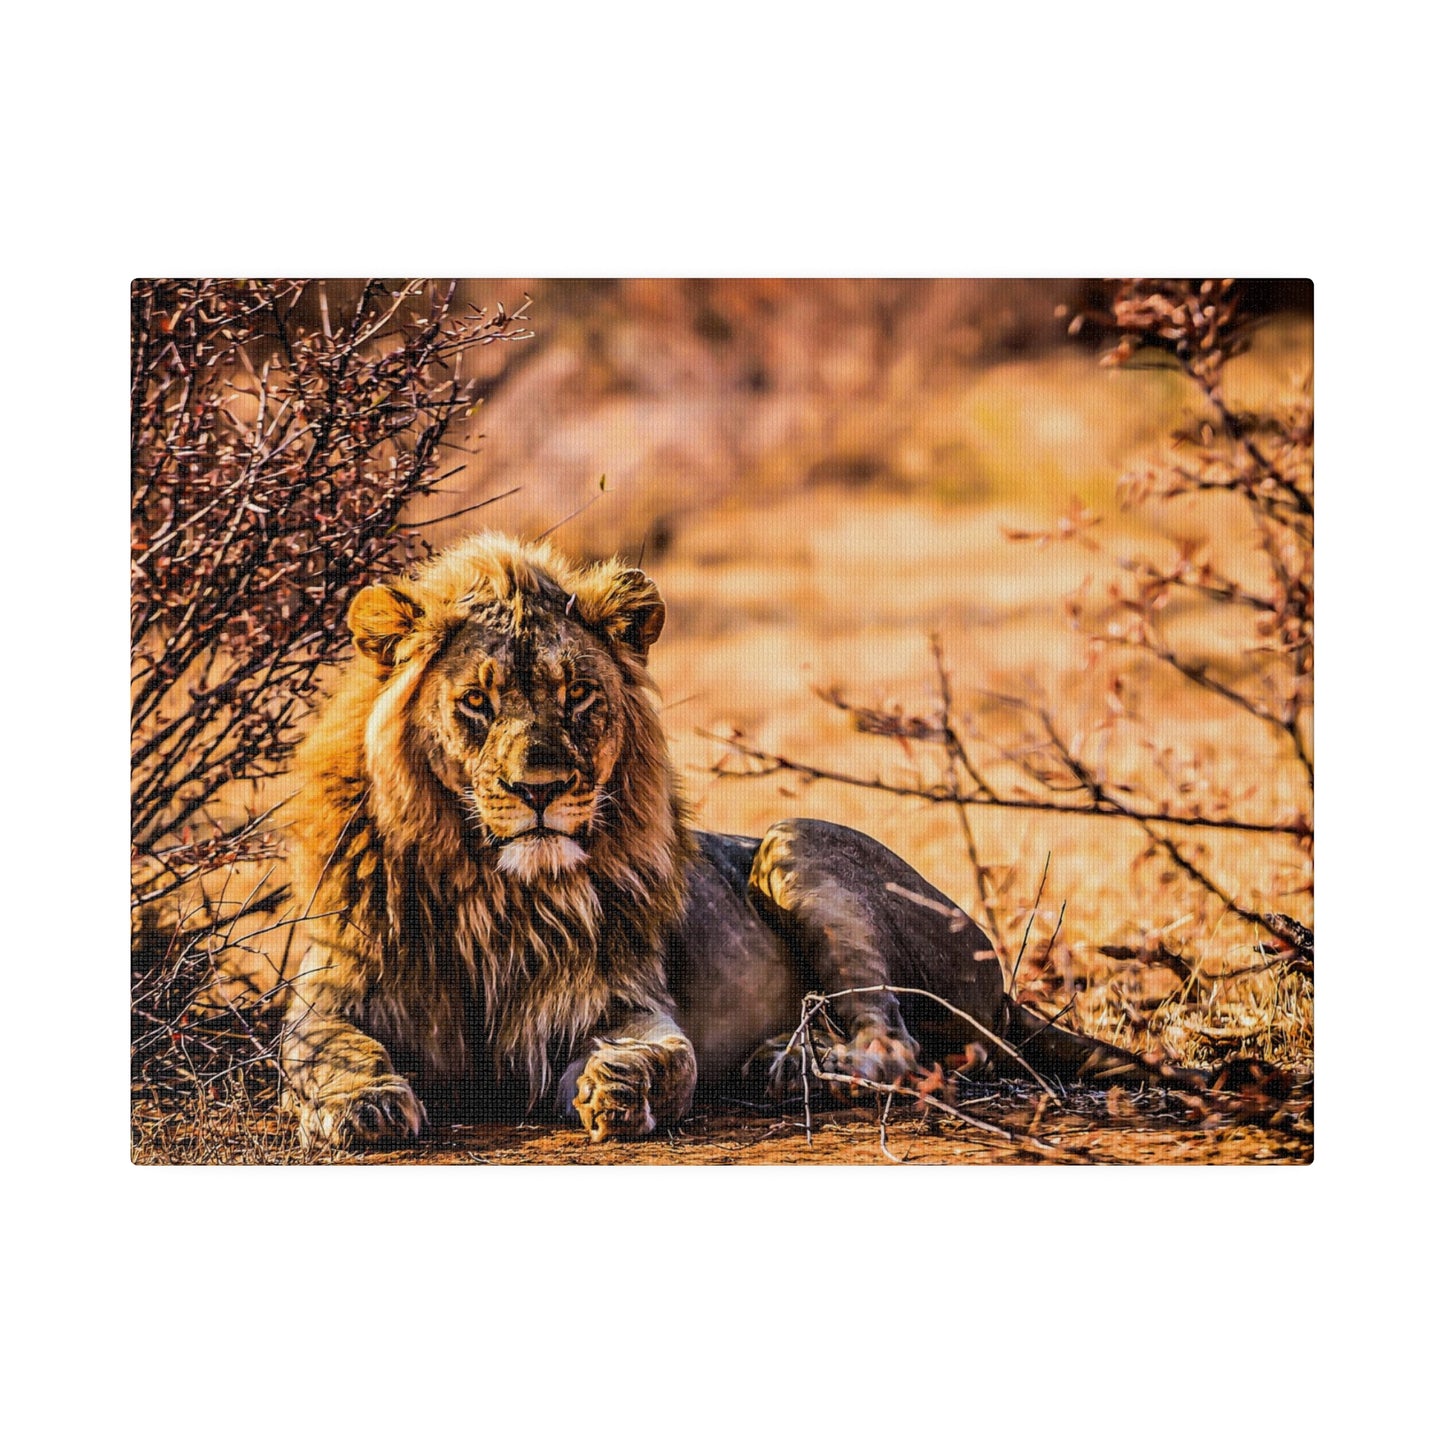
(496, 724)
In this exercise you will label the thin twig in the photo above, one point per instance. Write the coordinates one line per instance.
(462, 511)
(883, 1129)
(1028, 927)
(1103, 808)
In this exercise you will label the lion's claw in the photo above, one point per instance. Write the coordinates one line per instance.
(606, 1118)
(612, 1092)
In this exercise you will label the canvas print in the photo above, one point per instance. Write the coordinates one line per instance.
(737, 721)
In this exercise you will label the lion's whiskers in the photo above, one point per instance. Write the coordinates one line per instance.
(473, 810)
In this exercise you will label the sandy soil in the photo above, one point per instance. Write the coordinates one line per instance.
(1008, 1127)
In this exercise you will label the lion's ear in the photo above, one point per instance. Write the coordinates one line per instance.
(379, 617)
(627, 606)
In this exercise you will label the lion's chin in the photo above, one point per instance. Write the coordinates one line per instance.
(540, 855)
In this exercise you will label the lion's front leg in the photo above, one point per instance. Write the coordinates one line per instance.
(340, 1082)
(639, 1078)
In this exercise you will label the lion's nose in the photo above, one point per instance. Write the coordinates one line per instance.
(537, 796)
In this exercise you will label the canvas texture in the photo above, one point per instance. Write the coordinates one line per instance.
(707, 722)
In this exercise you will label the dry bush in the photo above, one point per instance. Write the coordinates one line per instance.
(276, 440)
(1207, 636)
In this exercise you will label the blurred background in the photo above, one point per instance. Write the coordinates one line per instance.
(693, 395)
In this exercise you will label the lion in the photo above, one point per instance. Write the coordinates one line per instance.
(507, 908)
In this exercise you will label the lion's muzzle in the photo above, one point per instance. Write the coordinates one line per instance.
(539, 796)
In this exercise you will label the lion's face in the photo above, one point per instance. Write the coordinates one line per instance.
(523, 725)
(509, 699)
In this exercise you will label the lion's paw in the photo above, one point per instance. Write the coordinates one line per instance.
(874, 1055)
(871, 1056)
(380, 1111)
(627, 1087)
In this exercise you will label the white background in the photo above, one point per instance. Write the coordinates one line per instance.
(428, 1303)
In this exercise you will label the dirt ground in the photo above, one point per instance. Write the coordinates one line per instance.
(1089, 1130)
(854, 1138)
(1007, 1126)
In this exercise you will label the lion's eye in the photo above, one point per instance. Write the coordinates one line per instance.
(475, 700)
(580, 695)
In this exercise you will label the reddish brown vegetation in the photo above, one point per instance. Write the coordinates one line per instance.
(274, 448)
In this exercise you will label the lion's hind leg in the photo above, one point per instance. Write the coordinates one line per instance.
(810, 880)
(914, 978)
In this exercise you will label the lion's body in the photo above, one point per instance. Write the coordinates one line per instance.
(507, 908)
